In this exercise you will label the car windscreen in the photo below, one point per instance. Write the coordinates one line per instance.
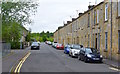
(91, 50)
(34, 44)
(76, 47)
(67, 46)
(60, 45)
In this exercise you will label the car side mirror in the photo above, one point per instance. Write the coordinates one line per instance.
(98, 52)
(84, 52)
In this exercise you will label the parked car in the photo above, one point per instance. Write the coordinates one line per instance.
(46, 42)
(35, 45)
(49, 43)
(53, 44)
(60, 46)
(90, 55)
(74, 50)
(67, 49)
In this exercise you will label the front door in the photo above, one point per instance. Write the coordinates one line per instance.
(96, 43)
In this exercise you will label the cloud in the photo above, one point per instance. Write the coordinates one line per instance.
(51, 13)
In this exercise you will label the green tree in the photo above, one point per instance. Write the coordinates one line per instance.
(11, 33)
(18, 11)
(15, 15)
(28, 37)
(42, 36)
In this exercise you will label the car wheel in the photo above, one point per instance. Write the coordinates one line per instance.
(69, 54)
(64, 52)
(72, 55)
(79, 58)
(85, 60)
(101, 61)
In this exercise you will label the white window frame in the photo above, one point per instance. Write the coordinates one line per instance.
(98, 16)
(118, 7)
(106, 11)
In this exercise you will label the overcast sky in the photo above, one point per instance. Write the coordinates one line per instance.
(51, 13)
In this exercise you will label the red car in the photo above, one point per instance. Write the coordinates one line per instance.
(60, 46)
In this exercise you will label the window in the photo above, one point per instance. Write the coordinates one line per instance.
(106, 12)
(88, 19)
(97, 16)
(119, 40)
(118, 7)
(106, 41)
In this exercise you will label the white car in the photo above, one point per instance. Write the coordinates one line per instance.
(74, 50)
(49, 43)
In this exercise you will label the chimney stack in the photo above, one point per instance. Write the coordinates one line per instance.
(90, 7)
(73, 19)
(80, 14)
(68, 22)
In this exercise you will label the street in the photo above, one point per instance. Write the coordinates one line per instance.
(48, 59)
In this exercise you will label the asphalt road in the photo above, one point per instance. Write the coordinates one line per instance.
(48, 59)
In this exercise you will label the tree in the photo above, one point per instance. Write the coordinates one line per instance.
(28, 37)
(14, 16)
(42, 36)
(11, 33)
(18, 11)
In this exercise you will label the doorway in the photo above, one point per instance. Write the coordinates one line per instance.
(96, 43)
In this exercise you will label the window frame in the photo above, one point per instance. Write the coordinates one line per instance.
(106, 41)
(106, 11)
(119, 8)
(88, 19)
(97, 15)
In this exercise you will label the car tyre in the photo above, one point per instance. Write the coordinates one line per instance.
(65, 52)
(85, 59)
(101, 61)
(79, 58)
(69, 54)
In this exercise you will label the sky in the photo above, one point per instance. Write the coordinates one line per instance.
(53, 13)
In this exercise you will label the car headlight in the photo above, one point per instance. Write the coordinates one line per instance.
(101, 56)
(88, 55)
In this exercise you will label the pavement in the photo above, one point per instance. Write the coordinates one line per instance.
(112, 63)
(12, 59)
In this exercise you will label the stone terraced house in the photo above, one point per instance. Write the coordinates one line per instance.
(98, 27)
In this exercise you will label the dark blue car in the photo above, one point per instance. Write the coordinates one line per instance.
(67, 49)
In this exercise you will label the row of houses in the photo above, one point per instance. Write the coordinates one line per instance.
(98, 27)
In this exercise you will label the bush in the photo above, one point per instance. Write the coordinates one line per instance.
(15, 45)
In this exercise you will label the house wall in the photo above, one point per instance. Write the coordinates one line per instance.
(94, 35)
